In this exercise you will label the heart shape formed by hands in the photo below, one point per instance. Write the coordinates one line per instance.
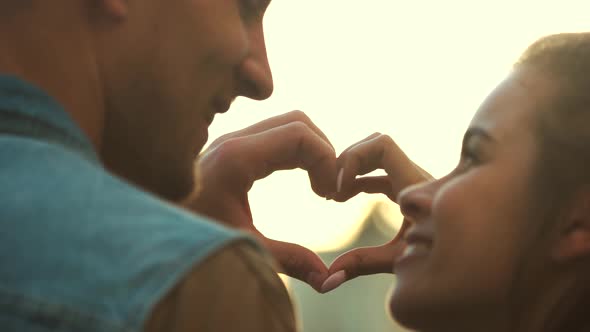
(231, 165)
(377, 151)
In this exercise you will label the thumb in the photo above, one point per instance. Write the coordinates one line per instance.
(362, 261)
(298, 262)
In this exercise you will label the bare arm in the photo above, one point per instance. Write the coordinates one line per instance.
(234, 290)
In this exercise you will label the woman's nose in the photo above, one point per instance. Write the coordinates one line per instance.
(416, 201)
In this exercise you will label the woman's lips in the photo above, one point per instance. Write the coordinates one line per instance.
(413, 253)
(418, 247)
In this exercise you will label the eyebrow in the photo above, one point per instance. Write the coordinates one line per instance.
(264, 5)
(477, 131)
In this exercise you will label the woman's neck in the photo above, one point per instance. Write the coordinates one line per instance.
(560, 304)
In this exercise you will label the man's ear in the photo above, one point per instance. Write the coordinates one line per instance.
(116, 9)
(573, 242)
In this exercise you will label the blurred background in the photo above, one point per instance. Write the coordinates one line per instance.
(415, 70)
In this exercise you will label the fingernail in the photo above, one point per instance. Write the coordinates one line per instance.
(334, 281)
(339, 180)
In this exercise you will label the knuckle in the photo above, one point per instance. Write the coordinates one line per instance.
(359, 260)
(292, 264)
(227, 149)
(220, 140)
(386, 140)
(300, 116)
(356, 265)
(354, 154)
(291, 261)
(299, 128)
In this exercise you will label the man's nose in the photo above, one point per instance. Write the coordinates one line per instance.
(254, 74)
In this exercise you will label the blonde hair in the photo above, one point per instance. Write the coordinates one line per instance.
(562, 167)
(563, 124)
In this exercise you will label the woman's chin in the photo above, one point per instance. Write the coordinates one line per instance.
(405, 308)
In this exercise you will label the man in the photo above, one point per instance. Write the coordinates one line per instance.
(104, 105)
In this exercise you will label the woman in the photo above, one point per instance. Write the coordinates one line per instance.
(502, 243)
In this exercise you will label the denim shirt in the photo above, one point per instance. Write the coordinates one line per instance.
(80, 249)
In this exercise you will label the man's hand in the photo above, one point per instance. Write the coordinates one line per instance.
(374, 152)
(232, 164)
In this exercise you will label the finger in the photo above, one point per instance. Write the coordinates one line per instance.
(365, 261)
(368, 138)
(277, 121)
(298, 262)
(246, 159)
(360, 262)
(359, 159)
(341, 171)
(369, 185)
(424, 173)
(379, 152)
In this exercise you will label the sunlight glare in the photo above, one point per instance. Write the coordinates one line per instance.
(415, 70)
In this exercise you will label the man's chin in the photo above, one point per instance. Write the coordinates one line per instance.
(195, 188)
(177, 187)
(174, 194)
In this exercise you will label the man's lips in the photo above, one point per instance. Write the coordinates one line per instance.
(209, 118)
(219, 105)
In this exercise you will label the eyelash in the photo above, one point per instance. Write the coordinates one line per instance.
(467, 156)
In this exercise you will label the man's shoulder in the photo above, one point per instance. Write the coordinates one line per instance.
(78, 239)
(52, 187)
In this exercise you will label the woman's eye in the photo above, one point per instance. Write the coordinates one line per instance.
(470, 154)
(467, 161)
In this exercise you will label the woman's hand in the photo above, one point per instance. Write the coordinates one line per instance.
(374, 152)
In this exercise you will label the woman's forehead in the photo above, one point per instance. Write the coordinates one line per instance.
(514, 104)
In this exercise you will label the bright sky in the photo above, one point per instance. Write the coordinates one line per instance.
(416, 70)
